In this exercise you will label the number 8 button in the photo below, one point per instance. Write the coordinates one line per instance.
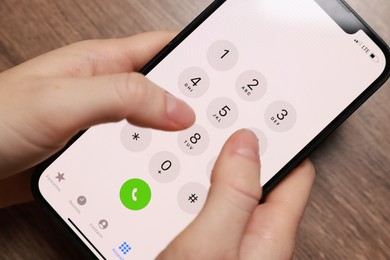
(194, 140)
(222, 112)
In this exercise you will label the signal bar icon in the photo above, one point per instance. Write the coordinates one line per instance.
(358, 42)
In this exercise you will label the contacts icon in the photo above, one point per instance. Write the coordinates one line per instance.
(103, 224)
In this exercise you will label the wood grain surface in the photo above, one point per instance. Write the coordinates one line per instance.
(348, 216)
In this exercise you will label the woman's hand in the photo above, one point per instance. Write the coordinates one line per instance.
(47, 100)
(232, 224)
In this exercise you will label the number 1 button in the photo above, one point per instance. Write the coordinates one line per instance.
(222, 55)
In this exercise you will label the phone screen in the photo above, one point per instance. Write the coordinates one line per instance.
(282, 69)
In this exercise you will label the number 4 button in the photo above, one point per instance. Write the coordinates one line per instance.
(193, 82)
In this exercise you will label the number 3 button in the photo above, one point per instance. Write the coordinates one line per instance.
(194, 140)
(222, 112)
(280, 116)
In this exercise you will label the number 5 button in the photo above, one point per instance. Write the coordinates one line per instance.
(222, 55)
(194, 140)
(222, 112)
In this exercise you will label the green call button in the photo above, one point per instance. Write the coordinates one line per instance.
(135, 194)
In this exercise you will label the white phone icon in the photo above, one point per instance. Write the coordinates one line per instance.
(133, 192)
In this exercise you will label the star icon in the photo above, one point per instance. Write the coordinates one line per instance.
(60, 177)
(136, 136)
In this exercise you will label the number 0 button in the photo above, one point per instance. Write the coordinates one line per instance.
(194, 140)
(164, 167)
(222, 112)
(193, 82)
(280, 116)
(222, 55)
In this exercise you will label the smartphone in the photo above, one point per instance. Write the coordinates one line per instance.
(292, 71)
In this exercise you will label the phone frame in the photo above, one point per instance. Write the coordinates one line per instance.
(293, 163)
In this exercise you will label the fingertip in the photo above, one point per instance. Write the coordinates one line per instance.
(181, 115)
(305, 173)
(246, 144)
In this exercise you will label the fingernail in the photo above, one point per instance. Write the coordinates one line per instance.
(247, 145)
(178, 111)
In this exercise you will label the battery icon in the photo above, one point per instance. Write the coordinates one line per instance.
(374, 58)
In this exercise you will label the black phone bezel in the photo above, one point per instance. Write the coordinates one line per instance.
(294, 162)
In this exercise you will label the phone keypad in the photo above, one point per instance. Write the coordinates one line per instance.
(221, 112)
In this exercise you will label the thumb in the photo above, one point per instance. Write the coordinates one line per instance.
(73, 104)
(234, 194)
(42, 118)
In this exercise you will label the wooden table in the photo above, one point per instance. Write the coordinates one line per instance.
(348, 216)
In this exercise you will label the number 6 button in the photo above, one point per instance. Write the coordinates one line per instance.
(222, 112)
(194, 140)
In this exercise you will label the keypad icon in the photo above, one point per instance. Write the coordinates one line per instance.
(124, 248)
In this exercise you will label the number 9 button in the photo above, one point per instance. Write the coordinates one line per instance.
(222, 112)
(194, 140)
